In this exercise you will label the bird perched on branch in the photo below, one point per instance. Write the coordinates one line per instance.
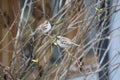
(59, 43)
(43, 28)
(64, 42)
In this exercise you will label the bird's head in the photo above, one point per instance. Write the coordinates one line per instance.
(59, 37)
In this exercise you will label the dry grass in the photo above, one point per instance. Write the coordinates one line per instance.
(86, 25)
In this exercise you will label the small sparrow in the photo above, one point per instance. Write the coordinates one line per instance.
(43, 28)
(64, 42)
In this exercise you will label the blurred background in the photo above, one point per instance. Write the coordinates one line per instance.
(92, 24)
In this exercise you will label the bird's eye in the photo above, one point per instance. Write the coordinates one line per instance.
(44, 27)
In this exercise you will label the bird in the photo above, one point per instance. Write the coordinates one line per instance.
(65, 42)
(59, 43)
(43, 28)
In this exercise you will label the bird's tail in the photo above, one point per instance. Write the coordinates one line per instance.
(76, 44)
